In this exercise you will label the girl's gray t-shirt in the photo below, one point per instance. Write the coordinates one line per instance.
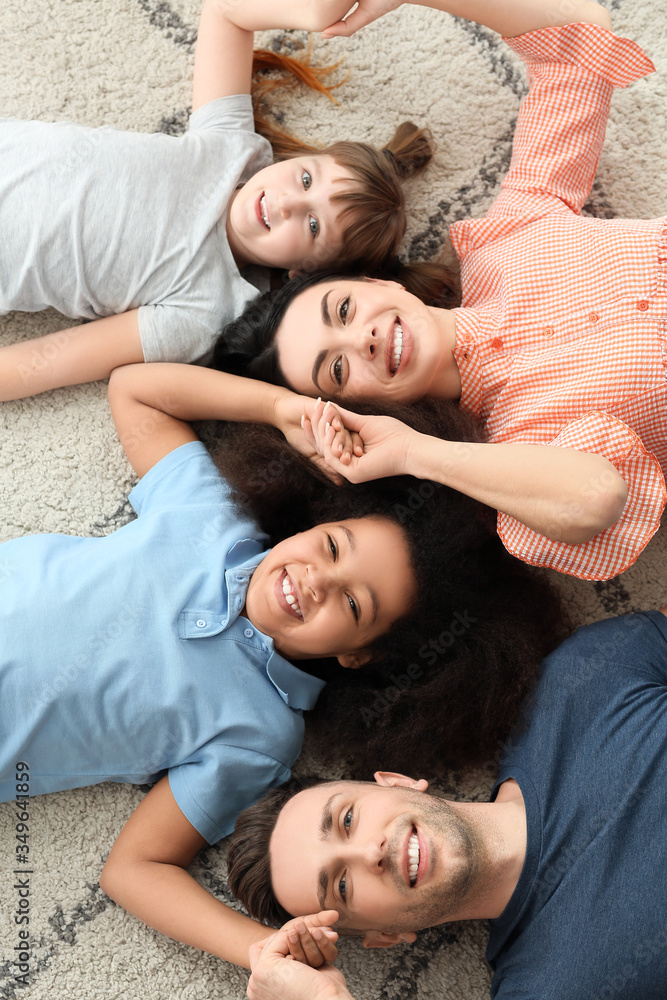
(97, 221)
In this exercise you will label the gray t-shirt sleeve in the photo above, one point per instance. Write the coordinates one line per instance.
(221, 152)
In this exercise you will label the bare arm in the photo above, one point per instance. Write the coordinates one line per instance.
(514, 17)
(80, 354)
(145, 873)
(564, 494)
(152, 405)
(223, 57)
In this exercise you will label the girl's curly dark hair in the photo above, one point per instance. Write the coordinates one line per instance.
(447, 681)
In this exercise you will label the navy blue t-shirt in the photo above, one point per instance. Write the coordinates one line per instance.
(588, 918)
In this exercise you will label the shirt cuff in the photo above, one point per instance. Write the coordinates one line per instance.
(613, 550)
(618, 60)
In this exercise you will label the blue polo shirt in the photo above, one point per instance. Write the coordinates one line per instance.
(125, 657)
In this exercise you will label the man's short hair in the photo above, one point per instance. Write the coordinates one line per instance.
(248, 858)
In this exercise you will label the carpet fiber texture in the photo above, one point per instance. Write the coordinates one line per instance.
(128, 63)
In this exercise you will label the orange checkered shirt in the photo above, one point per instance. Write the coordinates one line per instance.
(562, 337)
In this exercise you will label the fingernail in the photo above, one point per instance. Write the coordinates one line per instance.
(328, 425)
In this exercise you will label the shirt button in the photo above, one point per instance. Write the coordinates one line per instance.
(201, 623)
(496, 343)
(642, 304)
(549, 331)
(248, 633)
(593, 317)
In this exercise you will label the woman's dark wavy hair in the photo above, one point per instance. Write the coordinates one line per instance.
(447, 680)
(247, 345)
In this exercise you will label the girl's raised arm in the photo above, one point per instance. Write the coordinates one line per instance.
(145, 873)
(152, 405)
(513, 17)
(223, 56)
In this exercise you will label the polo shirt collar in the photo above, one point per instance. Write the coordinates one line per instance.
(297, 689)
(241, 562)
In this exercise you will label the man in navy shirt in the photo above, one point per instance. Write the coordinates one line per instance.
(568, 860)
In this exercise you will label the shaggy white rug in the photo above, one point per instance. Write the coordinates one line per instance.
(128, 63)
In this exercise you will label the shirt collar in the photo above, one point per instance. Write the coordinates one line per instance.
(466, 355)
(241, 562)
(297, 689)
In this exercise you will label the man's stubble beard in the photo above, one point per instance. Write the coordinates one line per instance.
(467, 870)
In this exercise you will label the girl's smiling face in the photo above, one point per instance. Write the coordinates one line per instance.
(284, 217)
(333, 590)
(367, 339)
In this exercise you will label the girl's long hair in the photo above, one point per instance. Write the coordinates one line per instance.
(447, 681)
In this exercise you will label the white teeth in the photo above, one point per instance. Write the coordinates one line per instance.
(263, 211)
(289, 596)
(413, 858)
(398, 346)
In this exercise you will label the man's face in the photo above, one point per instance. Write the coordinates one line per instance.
(387, 858)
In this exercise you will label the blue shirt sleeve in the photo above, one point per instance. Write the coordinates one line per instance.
(220, 784)
(630, 645)
(507, 989)
(186, 477)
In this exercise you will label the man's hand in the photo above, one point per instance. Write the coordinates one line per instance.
(311, 939)
(276, 976)
(367, 11)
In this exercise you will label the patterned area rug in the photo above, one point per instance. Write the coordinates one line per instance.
(128, 63)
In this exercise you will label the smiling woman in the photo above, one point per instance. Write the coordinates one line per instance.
(564, 365)
(371, 339)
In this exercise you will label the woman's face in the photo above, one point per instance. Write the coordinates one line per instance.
(367, 339)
